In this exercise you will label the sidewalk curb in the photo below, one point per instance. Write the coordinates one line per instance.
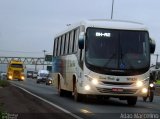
(157, 91)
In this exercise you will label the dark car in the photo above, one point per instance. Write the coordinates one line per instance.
(49, 81)
(29, 74)
(42, 77)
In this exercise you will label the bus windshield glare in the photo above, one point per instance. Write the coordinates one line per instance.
(123, 50)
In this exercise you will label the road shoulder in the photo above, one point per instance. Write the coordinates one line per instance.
(14, 101)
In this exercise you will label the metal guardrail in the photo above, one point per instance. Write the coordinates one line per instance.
(157, 85)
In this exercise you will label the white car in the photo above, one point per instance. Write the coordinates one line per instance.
(35, 73)
(3, 76)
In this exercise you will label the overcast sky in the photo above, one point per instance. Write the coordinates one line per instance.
(28, 26)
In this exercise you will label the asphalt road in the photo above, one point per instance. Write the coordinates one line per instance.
(103, 109)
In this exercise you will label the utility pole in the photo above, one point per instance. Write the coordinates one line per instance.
(157, 57)
(156, 60)
(112, 9)
(44, 57)
(35, 66)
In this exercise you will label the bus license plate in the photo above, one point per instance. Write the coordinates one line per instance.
(117, 89)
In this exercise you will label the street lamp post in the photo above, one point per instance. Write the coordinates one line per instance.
(112, 9)
(44, 57)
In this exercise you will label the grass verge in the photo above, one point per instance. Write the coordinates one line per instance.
(1, 110)
(4, 83)
(158, 82)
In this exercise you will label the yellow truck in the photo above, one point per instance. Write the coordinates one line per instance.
(15, 70)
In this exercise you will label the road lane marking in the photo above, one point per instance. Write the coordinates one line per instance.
(85, 111)
(50, 92)
(52, 104)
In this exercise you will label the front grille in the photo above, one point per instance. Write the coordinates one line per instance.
(125, 91)
(117, 83)
(17, 73)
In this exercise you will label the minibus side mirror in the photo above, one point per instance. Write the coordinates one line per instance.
(152, 46)
(81, 40)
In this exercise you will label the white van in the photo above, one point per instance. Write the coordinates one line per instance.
(42, 76)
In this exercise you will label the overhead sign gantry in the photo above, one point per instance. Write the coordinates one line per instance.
(26, 60)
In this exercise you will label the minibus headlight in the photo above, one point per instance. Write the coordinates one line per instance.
(94, 81)
(139, 83)
(144, 90)
(87, 87)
